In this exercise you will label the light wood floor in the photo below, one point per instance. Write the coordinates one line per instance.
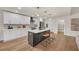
(61, 43)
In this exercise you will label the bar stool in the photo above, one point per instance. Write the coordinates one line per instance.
(50, 37)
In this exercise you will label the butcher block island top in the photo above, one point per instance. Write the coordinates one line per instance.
(38, 30)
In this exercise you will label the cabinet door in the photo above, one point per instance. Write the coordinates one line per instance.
(37, 38)
(16, 19)
(7, 18)
(12, 18)
(22, 20)
(27, 20)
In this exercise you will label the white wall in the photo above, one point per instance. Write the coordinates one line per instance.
(74, 14)
(67, 28)
(52, 24)
(59, 23)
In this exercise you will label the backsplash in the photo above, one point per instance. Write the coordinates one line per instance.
(14, 26)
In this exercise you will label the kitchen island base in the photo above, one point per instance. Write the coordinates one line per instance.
(35, 38)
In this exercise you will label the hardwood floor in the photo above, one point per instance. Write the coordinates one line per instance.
(61, 43)
(70, 43)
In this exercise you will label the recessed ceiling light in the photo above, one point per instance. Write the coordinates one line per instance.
(19, 7)
(41, 20)
(37, 14)
(16, 11)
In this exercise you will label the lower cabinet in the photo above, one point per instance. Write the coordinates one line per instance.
(37, 38)
(13, 34)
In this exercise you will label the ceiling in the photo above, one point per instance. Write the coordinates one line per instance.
(40, 11)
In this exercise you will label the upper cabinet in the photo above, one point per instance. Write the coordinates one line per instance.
(26, 20)
(12, 18)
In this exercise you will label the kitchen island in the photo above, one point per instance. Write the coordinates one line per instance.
(36, 36)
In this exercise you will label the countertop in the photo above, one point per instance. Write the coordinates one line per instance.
(38, 31)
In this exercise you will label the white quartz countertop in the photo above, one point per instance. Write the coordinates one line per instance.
(38, 31)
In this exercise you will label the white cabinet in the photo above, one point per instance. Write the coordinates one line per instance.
(26, 20)
(11, 18)
(6, 17)
(11, 34)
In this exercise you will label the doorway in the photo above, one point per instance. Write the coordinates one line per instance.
(61, 26)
